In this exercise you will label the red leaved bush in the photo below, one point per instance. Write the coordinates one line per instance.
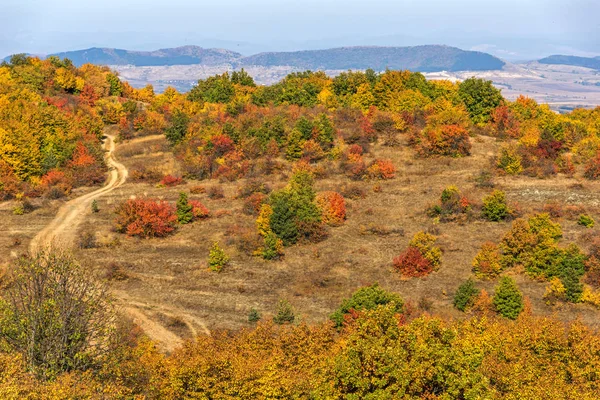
(382, 169)
(145, 218)
(412, 263)
(171, 180)
(198, 209)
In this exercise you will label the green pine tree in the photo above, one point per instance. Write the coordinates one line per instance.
(508, 299)
(184, 209)
(95, 208)
(294, 145)
(285, 313)
(465, 295)
(283, 219)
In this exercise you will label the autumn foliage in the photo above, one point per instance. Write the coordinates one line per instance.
(333, 207)
(145, 218)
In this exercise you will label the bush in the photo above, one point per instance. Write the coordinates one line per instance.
(495, 207)
(215, 192)
(55, 315)
(145, 218)
(586, 221)
(217, 258)
(425, 242)
(487, 262)
(285, 313)
(199, 210)
(381, 169)
(510, 161)
(592, 168)
(253, 203)
(366, 298)
(94, 206)
(508, 300)
(411, 263)
(185, 213)
(451, 204)
(333, 208)
(87, 241)
(465, 295)
(254, 316)
(170, 180)
(272, 248)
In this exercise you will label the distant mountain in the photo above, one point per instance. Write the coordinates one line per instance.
(186, 55)
(587, 62)
(432, 58)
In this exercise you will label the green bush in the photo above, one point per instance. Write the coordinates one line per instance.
(254, 315)
(185, 213)
(366, 298)
(586, 221)
(495, 207)
(465, 295)
(508, 299)
(285, 313)
(94, 206)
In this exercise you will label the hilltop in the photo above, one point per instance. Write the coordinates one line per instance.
(586, 62)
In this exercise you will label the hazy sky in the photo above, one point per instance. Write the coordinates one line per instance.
(508, 28)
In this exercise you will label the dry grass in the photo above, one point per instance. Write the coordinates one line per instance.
(171, 276)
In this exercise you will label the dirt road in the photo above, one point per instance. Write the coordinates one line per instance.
(63, 228)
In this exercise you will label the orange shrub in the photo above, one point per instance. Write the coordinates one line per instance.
(412, 263)
(382, 169)
(145, 218)
(592, 168)
(199, 210)
(333, 208)
(171, 180)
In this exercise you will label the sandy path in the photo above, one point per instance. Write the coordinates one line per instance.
(63, 227)
(62, 230)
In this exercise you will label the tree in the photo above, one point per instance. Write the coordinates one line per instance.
(215, 89)
(367, 298)
(282, 220)
(465, 295)
(480, 97)
(285, 313)
(185, 213)
(242, 78)
(508, 299)
(55, 315)
(495, 207)
(177, 130)
(145, 218)
(217, 258)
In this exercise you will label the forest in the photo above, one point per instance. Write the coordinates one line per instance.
(303, 156)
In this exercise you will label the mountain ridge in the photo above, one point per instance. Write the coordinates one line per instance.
(560, 59)
(424, 58)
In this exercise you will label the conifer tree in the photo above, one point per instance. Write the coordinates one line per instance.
(508, 299)
(185, 213)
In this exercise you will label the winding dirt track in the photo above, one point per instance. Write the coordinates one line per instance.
(63, 227)
(62, 230)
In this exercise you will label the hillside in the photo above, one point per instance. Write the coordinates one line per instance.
(586, 62)
(418, 58)
(431, 58)
(185, 55)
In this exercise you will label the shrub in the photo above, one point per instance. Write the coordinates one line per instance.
(381, 169)
(592, 275)
(592, 168)
(555, 290)
(542, 225)
(495, 207)
(366, 298)
(509, 161)
(170, 180)
(254, 316)
(199, 210)
(508, 300)
(285, 313)
(451, 204)
(443, 140)
(217, 258)
(333, 208)
(487, 262)
(145, 218)
(215, 192)
(94, 206)
(465, 295)
(424, 242)
(56, 316)
(412, 263)
(185, 213)
(253, 203)
(586, 221)
(272, 248)
(87, 241)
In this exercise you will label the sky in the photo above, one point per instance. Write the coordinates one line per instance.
(510, 29)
